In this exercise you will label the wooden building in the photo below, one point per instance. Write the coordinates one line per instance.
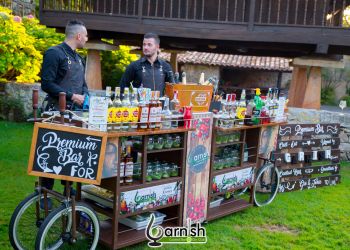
(288, 28)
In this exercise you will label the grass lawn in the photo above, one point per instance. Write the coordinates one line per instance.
(312, 219)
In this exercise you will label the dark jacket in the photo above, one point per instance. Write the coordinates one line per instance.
(54, 68)
(150, 76)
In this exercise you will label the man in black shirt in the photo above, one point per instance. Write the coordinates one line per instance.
(150, 71)
(63, 69)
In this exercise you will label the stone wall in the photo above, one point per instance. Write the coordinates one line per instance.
(298, 115)
(252, 78)
(193, 71)
(23, 92)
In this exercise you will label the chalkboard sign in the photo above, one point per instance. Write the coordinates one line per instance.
(309, 129)
(67, 153)
(302, 160)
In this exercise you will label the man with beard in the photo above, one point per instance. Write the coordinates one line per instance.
(150, 71)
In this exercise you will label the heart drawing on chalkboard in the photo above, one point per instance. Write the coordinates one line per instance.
(57, 169)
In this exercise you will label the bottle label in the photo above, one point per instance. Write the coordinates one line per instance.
(122, 168)
(110, 114)
(153, 114)
(126, 115)
(144, 114)
(129, 168)
(134, 114)
(118, 115)
(159, 114)
(240, 112)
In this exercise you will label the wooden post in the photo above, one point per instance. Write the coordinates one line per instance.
(93, 69)
(93, 63)
(305, 88)
(297, 87)
(312, 94)
(173, 61)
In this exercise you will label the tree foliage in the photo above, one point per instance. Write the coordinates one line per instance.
(114, 64)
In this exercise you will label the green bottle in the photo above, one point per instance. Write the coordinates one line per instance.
(257, 109)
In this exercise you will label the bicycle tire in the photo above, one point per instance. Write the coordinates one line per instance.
(24, 219)
(266, 185)
(61, 235)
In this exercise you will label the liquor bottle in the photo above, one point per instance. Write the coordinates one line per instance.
(166, 115)
(269, 103)
(176, 77)
(110, 111)
(143, 111)
(126, 110)
(257, 109)
(134, 110)
(175, 109)
(122, 166)
(129, 166)
(117, 104)
(225, 112)
(241, 109)
(274, 104)
(265, 118)
(159, 110)
(233, 107)
(183, 78)
(249, 112)
(153, 110)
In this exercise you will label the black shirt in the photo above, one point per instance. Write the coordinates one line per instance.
(150, 76)
(54, 69)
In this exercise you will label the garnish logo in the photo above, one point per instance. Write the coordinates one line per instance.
(157, 235)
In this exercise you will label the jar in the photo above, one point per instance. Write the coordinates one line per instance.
(177, 141)
(159, 143)
(168, 141)
(150, 143)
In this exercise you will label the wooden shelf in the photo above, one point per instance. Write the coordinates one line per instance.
(244, 127)
(139, 185)
(148, 132)
(229, 170)
(227, 207)
(164, 150)
(230, 190)
(99, 208)
(148, 210)
(126, 236)
(228, 144)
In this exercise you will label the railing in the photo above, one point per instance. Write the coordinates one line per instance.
(305, 13)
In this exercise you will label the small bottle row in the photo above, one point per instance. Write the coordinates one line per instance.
(164, 142)
(157, 170)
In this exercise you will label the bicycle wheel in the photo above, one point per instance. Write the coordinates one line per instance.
(26, 220)
(266, 185)
(56, 233)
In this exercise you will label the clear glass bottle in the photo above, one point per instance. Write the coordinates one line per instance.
(126, 105)
(175, 109)
(143, 111)
(159, 111)
(110, 111)
(166, 115)
(134, 110)
(117, 104)
(241, 109)
(153, 109)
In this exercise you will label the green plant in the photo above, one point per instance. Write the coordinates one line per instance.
(12, 108)
(44, 37)
(347, 99)
(19, 59)
(328, 96)
(114, 64)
